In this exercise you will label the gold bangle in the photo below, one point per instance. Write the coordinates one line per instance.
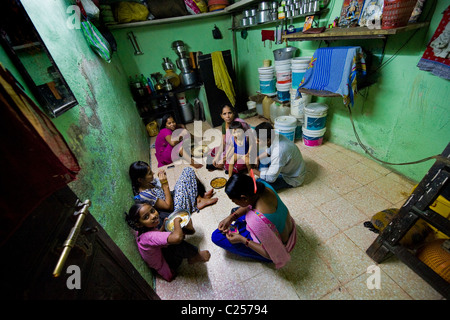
(164, 181)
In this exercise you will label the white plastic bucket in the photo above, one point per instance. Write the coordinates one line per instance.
(284, 74)
(313, 138)
(315, 116)
(283, 91)
(251, 105)
(301, 60)
(286, 126)
(266, 70)
(298, 105)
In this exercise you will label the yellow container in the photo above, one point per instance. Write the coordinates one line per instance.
(152, 128)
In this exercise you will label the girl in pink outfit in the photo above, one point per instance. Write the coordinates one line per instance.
(167, 148)
(162, 250)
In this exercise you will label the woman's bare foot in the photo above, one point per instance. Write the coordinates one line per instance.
(209, 194)
(202, 256)
(204, 202)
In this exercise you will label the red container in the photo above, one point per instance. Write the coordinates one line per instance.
(396, 13)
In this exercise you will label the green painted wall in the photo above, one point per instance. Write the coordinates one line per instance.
(104, 130)
(403, 117)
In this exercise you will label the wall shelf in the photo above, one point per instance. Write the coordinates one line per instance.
(352, 33)
(228, 10)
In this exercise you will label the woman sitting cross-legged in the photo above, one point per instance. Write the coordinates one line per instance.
(261, 228)
(188, 193)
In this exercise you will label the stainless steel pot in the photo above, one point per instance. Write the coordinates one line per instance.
(263, 16)
(244, 22)
(265, 5)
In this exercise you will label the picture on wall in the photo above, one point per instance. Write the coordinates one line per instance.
(308, 23)
(350, 12)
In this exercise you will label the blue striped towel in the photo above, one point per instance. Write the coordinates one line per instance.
(335, 70)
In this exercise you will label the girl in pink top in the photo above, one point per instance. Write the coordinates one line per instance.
(162, 250)
(167, 148)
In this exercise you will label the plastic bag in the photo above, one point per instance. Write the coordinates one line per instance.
(201, 4)
(131, 11)
(92, 11)
(96, 41)
(191, 7)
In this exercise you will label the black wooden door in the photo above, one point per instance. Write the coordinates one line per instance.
(95, 268)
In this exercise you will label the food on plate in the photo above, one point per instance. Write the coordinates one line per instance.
(218, 183)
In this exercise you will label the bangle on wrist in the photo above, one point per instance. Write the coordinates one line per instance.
(234, 215)
(163, 181)
(247, 242)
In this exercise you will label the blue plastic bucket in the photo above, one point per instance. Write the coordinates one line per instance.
(297, 76)
(283, 91)
(267, 86)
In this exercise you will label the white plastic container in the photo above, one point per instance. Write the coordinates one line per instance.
(315, 116)
(286, 126)
(313, 138)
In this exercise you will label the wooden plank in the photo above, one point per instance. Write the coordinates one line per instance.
(167, 20)
(352, 33)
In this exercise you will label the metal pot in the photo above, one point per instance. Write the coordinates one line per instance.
(251, 21)
(264, 6)
(263, 16)
(244, 22)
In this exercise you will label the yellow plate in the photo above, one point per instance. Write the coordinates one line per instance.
(218, 183)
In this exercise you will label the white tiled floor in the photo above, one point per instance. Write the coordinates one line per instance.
(342, 190)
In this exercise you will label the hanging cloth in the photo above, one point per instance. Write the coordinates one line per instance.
(222, 77)
(436, 58)
(336, 70)
(35, 161)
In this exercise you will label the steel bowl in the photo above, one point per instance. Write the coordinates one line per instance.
(284, 53)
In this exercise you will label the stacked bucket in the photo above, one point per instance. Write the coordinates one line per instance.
(315, 115)
(298, 69)
(284, 79)
(267, 80)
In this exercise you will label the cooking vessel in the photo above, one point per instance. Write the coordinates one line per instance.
(263, 16)
(284, 53)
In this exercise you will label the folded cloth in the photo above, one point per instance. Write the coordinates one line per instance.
(222, 77)
(335, 70)
(436, 57)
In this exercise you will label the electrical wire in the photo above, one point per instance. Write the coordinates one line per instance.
(437, 157)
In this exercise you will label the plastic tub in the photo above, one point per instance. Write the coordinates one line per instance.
(315, 116)
(267, 86)
(313, 138)
(286, 126)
